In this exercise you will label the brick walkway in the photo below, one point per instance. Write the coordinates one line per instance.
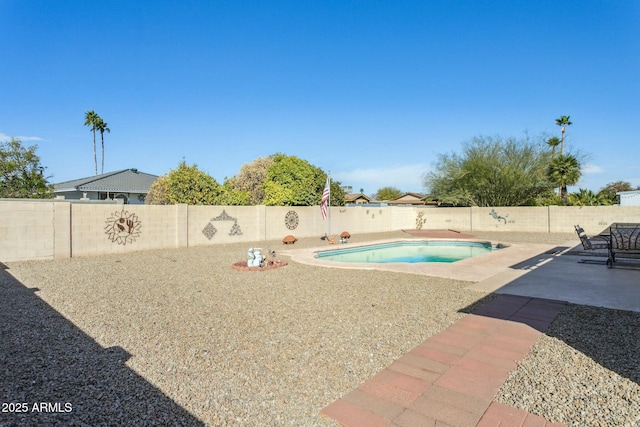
(452, 378)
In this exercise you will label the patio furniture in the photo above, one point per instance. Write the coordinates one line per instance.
(591, 243)
(624, 239)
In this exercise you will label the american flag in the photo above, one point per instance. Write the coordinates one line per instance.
(324, 202)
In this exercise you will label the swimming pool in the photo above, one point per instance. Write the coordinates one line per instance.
(409, 252)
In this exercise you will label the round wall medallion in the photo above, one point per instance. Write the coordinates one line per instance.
(291, 220)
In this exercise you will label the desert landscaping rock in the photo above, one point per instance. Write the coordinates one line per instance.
(177, 337)
(585, 371)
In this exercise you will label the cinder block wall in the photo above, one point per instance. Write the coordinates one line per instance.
(594, 219)
(532, 219)
(444, 219)
(224, 224)
(26, 230)
(47, 229)
(100, 229)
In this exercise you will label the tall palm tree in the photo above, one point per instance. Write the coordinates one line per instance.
(90, 118)
(102, 127)
(553, 142)
(563, 122)
(563, 171)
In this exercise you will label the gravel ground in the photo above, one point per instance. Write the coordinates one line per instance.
(177, 337)
(584, 372)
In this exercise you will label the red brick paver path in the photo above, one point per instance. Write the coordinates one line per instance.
(452, 378)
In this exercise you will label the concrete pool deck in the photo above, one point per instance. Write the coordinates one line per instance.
(471, 269)
(534, 270)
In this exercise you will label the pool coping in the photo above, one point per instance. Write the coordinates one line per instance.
(472, 269)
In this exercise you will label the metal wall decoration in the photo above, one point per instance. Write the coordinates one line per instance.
(224, 216)
(210, 230)
(235, 230)
(420, 220)
(497, 217)
(123, 227)
(291, 220)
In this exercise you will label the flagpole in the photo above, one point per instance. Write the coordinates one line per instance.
(329, 204)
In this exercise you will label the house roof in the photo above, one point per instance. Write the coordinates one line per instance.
(123, 181)
(352, 197)
(408, 199)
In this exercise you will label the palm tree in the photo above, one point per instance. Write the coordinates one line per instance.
(102, 127)
(563, 122)
(563, 171)
(585, 197)
(553, 142)
(90, 118)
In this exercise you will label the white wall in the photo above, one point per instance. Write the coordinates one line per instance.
(629, 198)
(47, 229)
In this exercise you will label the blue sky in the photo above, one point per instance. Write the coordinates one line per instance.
(372, 91)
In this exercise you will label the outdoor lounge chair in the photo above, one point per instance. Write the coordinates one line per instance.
(591, 243)
(624, 240)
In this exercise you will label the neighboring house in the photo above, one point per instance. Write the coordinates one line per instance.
(407, 199)
(356, 199)
(629, 198)
(128, 185)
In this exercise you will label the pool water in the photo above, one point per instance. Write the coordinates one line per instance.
(409, 252)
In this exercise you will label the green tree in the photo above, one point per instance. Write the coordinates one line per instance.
(337, 193)
(491, 172)
(387, 193)
(292, 181)
(21, 174)
(609, 191)
(277, 194)
(158, 192)
(585, 197)
(187, 184)
(251, 179)
(549, 198)
(230, 196)
(563, 171)
(90, 119)
(563, 122)
(102, 127)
